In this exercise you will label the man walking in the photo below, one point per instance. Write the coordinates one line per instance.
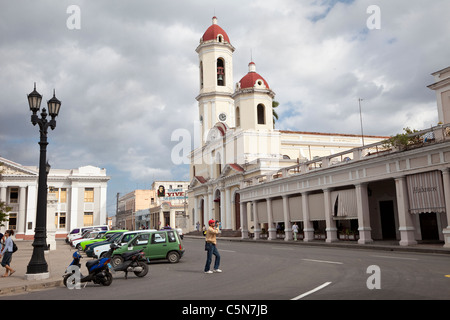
(211, 248)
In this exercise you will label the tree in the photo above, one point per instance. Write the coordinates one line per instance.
(4, 209)
(275, 104)
(403, 140)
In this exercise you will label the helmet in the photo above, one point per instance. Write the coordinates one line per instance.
(211, 222)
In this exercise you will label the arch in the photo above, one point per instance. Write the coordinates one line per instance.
(261, 114)
(220, 72)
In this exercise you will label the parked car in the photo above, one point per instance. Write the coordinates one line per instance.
(100, 237)
(91, 247)
(122, 240)
(157, 244)
(90, 235)
(78, 232)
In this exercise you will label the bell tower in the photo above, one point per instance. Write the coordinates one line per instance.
(215, 103)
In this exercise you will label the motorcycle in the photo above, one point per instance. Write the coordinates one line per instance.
(98, 272)
(129, 262)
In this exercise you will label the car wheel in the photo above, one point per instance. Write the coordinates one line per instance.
(116, 260)
(173, 257)
(79, 247)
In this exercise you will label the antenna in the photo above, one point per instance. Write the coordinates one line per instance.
(360, 118)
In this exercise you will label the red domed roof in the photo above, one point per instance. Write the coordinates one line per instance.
(213, 31)
(251, 78)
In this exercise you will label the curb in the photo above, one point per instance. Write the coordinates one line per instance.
(31, 287)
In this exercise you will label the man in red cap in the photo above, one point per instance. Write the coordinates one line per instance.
(211, 247)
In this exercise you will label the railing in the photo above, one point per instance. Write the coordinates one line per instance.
(418, 139)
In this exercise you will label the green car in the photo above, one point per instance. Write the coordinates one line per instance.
(100, 237)
(161, 244)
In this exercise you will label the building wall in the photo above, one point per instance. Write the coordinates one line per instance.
(74, 181)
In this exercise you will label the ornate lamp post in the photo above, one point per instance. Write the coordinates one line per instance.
(37, 264)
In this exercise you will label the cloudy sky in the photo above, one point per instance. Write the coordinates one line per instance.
(127, 73)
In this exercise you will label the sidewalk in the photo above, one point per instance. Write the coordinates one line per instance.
(59, 259)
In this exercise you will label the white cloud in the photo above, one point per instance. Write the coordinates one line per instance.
(129, 76)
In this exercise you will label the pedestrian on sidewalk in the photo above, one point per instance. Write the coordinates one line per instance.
(7, 253)
(211, 247)
(295, 230)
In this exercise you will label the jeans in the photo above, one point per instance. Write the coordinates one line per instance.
(211, 250)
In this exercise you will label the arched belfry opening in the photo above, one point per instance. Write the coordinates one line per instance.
(220, 72)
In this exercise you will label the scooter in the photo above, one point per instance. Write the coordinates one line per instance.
(98, 272)
(130, 262)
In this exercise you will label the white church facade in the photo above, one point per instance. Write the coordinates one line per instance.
(237, 136)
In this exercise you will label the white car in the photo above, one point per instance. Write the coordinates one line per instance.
(123, 239)
(79, 232)
(87, 236)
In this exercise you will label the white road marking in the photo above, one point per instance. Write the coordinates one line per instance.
(220, 250)
(322, 261)
(401, 258)
(311, 291)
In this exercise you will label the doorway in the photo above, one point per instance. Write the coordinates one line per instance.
(429, 226)
(387, 216)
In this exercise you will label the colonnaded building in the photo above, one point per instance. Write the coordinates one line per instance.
(259, 181)
(238, 139)
(77, 197)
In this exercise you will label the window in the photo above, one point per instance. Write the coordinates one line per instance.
(220, 72)
(261, 114)
(60, 220)
(201, 74)
(63, 195)
(89, 195)
(159, 237)
(88, 219)
(171, 236)
(238, 118)
(12, 221)
(141, 239)
(13, 195)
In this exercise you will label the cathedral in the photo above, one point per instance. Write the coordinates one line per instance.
(238, 138)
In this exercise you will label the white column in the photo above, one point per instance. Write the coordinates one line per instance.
(21, 214)
(31, 210)
(228, 204)
(223, 205)
(244, 219)
(272, 230)
(331, 224)
(74, 206)
(287, 219)
(446, 180)
(257, 226)
(308, 229)
(406, 226)
(210, 208)
(362, 204)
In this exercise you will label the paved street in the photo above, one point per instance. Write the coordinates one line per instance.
(276, 271)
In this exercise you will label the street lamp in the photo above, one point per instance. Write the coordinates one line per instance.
(37, 264)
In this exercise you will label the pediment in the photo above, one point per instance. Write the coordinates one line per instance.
(231, 169)
(10, 168)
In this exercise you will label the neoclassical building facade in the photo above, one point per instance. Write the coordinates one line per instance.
(78, 197)
(237, 136)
